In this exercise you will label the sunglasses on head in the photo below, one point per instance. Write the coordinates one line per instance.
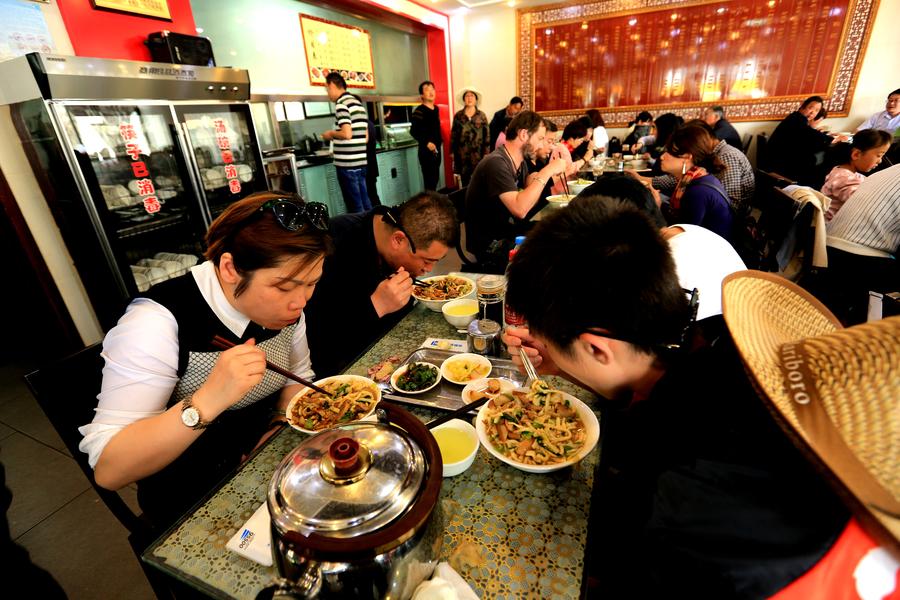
(394, 221)
(292, 214)
(684, 341)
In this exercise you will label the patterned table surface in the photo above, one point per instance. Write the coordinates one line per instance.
(510, 534)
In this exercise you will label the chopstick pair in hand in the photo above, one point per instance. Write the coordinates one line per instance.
(223, 344)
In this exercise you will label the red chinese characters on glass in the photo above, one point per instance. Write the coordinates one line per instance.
(234, 185)
(227, 157)
(139, 169)
(219, 125)
(145, 187)
(151, 204)
(231, 172)
(223, 142)
(126, 130)
(132, 150)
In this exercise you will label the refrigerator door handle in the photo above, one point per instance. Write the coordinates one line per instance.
(184, 141)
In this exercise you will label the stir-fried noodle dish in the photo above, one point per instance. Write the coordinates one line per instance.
(445, 288)
(538, 427)
(350, 399)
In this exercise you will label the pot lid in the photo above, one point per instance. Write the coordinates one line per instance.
(347, 481)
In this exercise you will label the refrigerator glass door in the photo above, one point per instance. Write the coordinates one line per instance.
(138, 180)
(225, 153)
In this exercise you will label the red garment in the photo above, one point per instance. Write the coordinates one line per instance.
(855, 568)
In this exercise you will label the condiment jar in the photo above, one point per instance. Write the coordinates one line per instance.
(484, 337)
(491, 290)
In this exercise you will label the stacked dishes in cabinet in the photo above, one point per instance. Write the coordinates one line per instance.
(164, 265)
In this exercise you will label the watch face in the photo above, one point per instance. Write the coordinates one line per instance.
(190, 416)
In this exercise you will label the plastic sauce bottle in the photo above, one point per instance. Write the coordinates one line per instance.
(510, 317)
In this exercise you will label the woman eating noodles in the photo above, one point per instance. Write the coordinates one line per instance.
(699, 198)
(175, 414)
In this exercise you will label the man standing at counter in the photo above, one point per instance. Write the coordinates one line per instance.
(349, 135)
(500, 192)
(366, 285)
(426, 129)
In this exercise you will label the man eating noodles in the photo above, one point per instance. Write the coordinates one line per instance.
(366, 285)
(700, 493)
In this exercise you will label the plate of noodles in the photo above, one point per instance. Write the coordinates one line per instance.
(443, 288)
(352, 398)
(537, 430)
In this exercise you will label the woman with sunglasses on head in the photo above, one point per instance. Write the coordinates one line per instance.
(699, 197)
(175, 414)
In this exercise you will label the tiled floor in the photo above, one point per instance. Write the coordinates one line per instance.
(55, 514)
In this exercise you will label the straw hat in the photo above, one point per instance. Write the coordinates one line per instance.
(462, 92)
(834, 391)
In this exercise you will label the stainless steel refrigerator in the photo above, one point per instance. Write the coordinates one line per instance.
(133, 159)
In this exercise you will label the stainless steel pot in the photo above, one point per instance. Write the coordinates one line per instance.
(355, 511)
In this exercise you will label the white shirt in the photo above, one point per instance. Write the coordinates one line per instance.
(869, 222)
(601, 138)
(141, 354)
(881, 120)
(703, 259)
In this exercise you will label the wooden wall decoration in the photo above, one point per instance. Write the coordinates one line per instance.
(757, 58)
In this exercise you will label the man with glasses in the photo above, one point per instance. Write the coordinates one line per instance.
(366, 286)
(700, 494)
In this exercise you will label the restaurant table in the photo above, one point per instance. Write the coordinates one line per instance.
(510, 534)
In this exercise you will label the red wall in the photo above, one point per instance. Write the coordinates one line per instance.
(107, 34)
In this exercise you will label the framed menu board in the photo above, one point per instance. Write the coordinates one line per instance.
(757, 58)
(337, 47)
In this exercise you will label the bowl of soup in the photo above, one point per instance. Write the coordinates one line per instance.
(560, 200)
(458, 442)
(463, 368)
(459, 313)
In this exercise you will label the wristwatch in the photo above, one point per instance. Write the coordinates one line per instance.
(190, 416)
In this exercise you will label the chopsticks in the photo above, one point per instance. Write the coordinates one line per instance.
(529, 368)
(565, 184)
(462, 410)
(223, 344)
(418, 283)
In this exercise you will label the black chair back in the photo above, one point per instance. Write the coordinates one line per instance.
(761, 159)
(67, 393)
(458, 197)
(772, 215)
(745, 142)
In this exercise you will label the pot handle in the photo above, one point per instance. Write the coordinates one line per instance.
(308, 586)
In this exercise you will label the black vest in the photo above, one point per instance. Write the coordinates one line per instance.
(166, 495)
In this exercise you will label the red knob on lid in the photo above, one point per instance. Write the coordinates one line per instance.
(344, 453)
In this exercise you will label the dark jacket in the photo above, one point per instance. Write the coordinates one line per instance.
(725, 131)
(795, 149)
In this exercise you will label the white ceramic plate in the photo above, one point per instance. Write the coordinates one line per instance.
(587, 416)
(477, 358)
(347, 378)
(402, 369)
(479, 384)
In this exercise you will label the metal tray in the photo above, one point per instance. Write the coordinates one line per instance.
(447, 396)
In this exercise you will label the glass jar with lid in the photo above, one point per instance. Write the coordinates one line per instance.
(491, 290)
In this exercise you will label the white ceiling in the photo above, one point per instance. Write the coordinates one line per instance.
(454, 7)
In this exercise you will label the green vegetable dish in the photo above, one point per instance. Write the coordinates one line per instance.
(417, 377)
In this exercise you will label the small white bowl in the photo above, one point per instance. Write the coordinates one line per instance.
(455, 468)
(461, 321)
(436, 305)
(560, 200)
(322, 382)
(402, 369)
(476, 358)
(576, 188)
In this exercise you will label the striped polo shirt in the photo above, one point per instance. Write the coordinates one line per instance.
(350, 153)
(869, 223)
